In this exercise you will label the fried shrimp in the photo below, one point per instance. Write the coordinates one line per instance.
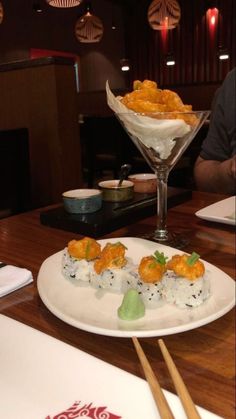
(86, 248)
(152, 268)
(152, 95)
(147, 98)
(172, 100)
(145, 106)
(189, 267)
(146, 84)
(112, 256)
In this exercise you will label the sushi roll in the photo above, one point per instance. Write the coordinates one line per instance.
(151, 271)
(78, 259)
(112, 270)
(185, 284)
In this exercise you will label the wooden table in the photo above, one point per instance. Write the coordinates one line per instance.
(204, 356)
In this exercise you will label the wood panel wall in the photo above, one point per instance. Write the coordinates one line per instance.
(43, 99)
(193, 44)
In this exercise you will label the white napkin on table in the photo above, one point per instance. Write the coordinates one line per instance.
(12, 278)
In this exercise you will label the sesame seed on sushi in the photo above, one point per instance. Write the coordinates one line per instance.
(113, 270)
(78, 258)
(151, 270)
(185, 283)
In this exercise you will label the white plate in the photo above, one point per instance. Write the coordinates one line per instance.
(220, 212)
(88, 309)
(42, 377)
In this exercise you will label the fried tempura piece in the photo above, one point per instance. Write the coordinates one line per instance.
(172, 100)
(145, 106)
(148, 98)
(146, 84)
(152, 268)
(86, 248)
(152, 95)
(112, 256)
(175, 104)
(189, 267)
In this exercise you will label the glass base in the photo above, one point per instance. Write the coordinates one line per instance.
(172, 239)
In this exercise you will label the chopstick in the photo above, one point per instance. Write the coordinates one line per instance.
(181, 389)
(158, 395)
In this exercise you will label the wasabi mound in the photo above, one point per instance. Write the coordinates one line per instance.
(132, 307)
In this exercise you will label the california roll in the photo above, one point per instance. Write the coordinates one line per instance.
(78, 259)
(113, 271)
(185, 283)
(151, 271)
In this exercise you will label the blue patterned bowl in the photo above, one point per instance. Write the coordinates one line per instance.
(82, 201)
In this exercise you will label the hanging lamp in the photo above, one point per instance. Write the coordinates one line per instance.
(1, 13)
(124, 64)
(164, 14)
(63, 3)
(212, 13)
(89, 28)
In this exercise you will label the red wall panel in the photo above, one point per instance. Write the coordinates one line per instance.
(194, 43)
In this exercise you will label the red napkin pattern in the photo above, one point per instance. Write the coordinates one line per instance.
(85, 411)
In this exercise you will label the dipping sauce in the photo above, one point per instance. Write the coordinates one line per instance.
(113, 193)
(144, 182)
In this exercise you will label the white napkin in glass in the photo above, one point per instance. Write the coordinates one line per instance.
(12, 278)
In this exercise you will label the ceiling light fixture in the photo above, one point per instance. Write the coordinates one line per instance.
(1, 13)
(89, 28)
(223, 54)
(212, 13)
(170, 60)
(212, 16)
(63, 3)
(211, 4)
(113, 25)
(124, 64)
(37, 7)
(164, 14)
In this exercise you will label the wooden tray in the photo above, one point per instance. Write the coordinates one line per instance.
(112, 215)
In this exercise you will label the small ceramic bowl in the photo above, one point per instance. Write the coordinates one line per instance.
(113, 193)
(144, 182)
(82, 201)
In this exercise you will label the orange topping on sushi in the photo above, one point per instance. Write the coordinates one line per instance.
(189, 267)
(152, 268)
(86, 248)
(112, 256)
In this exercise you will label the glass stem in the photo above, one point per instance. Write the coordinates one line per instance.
(161, 232)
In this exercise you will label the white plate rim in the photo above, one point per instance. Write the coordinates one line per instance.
(207, 213)
(133, 332)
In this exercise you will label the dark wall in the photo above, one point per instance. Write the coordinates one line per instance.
(195, 47)
(22, 29)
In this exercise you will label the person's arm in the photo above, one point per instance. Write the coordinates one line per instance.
(216, 176)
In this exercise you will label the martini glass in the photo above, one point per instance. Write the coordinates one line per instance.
(162, 138)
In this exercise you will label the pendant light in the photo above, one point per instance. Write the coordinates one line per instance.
(89, 28)
(164, 14)
(124, 64)
(63, 3)
(1, 13)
